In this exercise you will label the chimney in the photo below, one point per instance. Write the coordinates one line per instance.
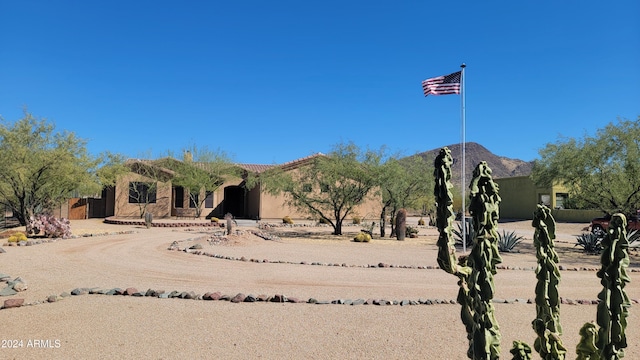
(187, 156)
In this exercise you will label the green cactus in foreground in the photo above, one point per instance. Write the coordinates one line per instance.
(547, 322)
(587, 348)
(520, 351)
(446, 242)
(613, 308)
(444, 211)
(483, 259)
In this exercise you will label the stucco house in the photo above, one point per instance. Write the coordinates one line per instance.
(148, 188)
(520, 196)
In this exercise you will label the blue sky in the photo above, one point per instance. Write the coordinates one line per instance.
(272, 81)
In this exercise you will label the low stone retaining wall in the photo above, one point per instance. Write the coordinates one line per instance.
(132, 222)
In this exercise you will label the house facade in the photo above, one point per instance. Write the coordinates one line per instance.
(520, 196)
(146, 189)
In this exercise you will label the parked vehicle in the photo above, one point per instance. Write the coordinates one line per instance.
(601, 224)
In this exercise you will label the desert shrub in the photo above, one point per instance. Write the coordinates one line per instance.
(421, 222)
(591, 243)
(362, 237)
(470, 233)
(50, 226)
(287, 220)
(17, 237)
(411, 232)
(215, 220)
(356, 219)
(323, 221)
(507, 241)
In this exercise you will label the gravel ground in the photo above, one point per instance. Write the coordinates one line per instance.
(101, 326)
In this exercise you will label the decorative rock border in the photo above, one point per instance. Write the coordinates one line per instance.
(217, 240)
(38, 241)
(250, 298)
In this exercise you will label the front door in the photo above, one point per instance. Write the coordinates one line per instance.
(234, 198)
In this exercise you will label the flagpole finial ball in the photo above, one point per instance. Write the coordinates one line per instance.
(463, 65)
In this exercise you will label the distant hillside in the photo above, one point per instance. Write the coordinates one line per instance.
(474, 153)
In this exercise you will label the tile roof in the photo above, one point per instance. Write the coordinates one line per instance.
(256, 168)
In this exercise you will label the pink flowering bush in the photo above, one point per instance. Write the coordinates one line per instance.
(50, 226)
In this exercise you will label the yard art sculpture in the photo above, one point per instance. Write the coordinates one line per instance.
(547, 322)
(614, 304)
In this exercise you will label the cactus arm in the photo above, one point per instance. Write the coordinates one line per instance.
(520, 351)
(587, 348)
(444, 211)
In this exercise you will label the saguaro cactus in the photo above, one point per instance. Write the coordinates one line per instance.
(547, 321)
(401, 224)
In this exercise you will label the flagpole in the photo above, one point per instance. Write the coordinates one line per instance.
(464, 142)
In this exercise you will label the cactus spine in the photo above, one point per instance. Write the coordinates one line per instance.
(547, 322)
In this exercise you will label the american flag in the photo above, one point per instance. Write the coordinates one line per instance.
(442, 85)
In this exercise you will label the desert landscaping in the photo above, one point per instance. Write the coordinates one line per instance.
(272, 292)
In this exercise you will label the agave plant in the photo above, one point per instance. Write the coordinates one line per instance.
(632, 236)
(507, 241)
(470, 234)
(591, 243)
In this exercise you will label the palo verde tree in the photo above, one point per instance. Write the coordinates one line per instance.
(201, 173)
(40, 168)
(404, 183)
(328, 187)
(600, 172)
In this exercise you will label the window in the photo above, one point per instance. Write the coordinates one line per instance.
(178, 201)
(142, 193)
(545, 199)
(561, 200)
(208, 200)
(193, 200)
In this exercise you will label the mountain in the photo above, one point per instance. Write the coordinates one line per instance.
(501, 166)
